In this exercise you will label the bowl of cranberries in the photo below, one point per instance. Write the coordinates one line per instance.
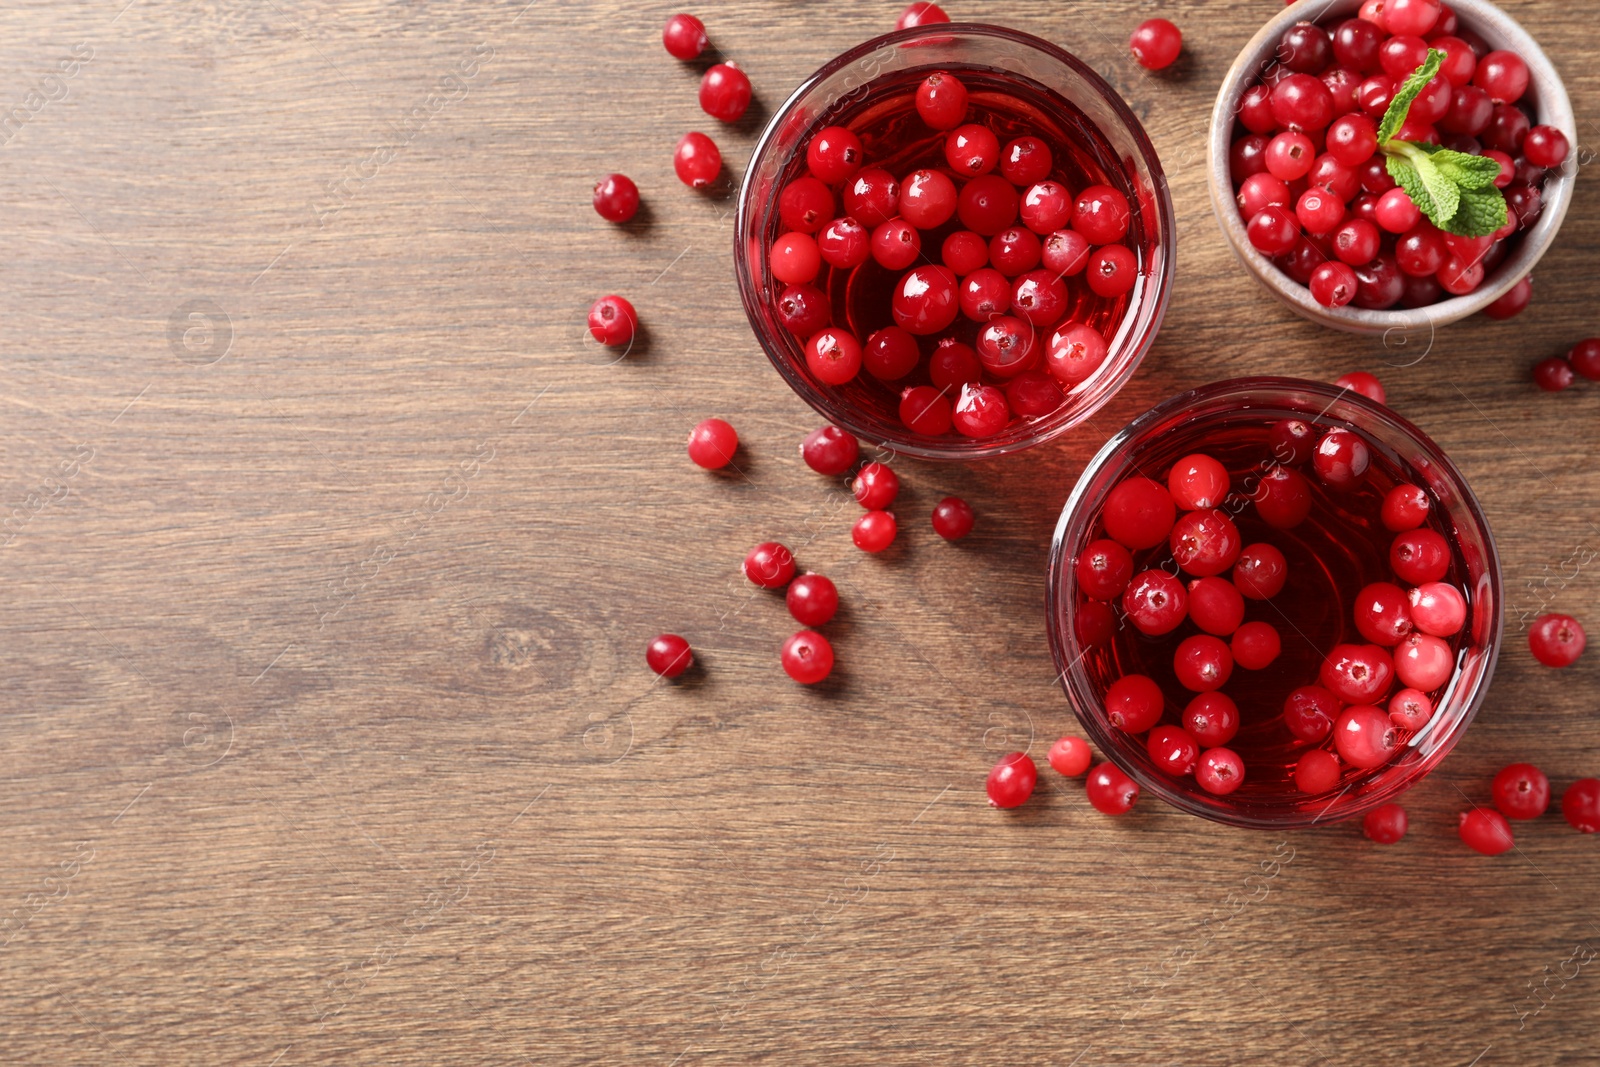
(1393, 165)
(955, 240)
(1273, 602)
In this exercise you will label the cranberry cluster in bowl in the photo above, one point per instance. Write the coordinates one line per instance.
(1273, 602)
(955, 240)
(1303, 188)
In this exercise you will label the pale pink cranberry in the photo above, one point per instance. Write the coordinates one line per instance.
(1438, 608)
(1410, 709)
(1424, 662)
(1365, 736)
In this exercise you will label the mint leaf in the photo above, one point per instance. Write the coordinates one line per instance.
(1443, 194)
(1481, 212)
(1408, 92)
(1469, 172)
(1406, 176)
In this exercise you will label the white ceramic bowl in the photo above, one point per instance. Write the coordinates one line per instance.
(1546, 96)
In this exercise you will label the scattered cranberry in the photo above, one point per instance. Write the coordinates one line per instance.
(1134, 703)
(1172, 750)
(1556, 640)
(807, 657)
(1220, 771)
(830, 450)
(1405, 507)
(1011, 781)
(769, 565)
(1485, 831)
(697, 161)
(1580, 805)
(1553, 374)
(1139, 513)
(874, 531)
(616, 198)
(1255, 645)
(1385, 824)
(1211, 719)
(1410, 709)
(712, 444)
(1585, 358)
(1357, 674)
(725, 92)
(1521, 791)
(875, 486)
(669, 655)
(1156, 44)
(953, 518)
(920, 14)
(1420, 556)
(834, 154)
(1316, 772)
(1438, 608)
(684, 37)
(612, 321)
(1155, 603)
(1260, 572)
(1110, 791)
(1070, 756)
(812, 599)
(1214, 604)
(1202, 663)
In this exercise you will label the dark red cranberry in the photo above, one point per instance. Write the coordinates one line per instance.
(1419, 556)
(1034, 394)
(1546, 146)
(953, 365)
(803, 310)
(1341, 459)
(830, 450)
(1220, 771)
(1527, 202)
(1247, 156)
(1094, 624)
(769, 565)
(1260, 572)
(1025, 161)
(834, 154)
(669, 655)
(712, 444)
(1355, 45)
(1506, 131)
(697, 160)
(616, 198)
(1485, 831)
(684, 37)
(891, 354)
(872, 197)
(1305, 48)
(1375, 94)
(1139, 513)
(725, 92)
(942, 100)
(1110, 791)
(1309, 711)
(1385, 824)
(1155, 602)
(1012, 780)
(874, 532)
(1134, 703)
(1211, 719)
(1585, 358)
(1342, 85)
(1379, 284)
(1292, 441)
(1156, 43)
(1503, 75)
(1421, 252)
(987, 205)
(1580, 805)
(1521, 791)
(964, 252)
(1375, 179)
(1256, 645)
(1512, 302)
(925, 410)
(807, 657)
(984, 294)
(612, 321)
(1283, 498)
(1368, 385)
(812, 599)
(805, 205)
(953, 518)
(1556, 640)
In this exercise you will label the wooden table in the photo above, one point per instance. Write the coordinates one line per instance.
(334, 547)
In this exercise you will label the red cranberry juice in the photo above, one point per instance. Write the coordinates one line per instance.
(1340, 548)
(894, 137)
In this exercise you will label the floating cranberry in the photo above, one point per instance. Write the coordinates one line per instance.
(1011, 781)
(1134, 703)
(1110, 791)
(1007, 346)
(830, 450)
(1405, 507)
(925, 410)
(807, 657)
(1156, 44)
(795, 259)
(953, 518)
(980, 411)
(1214, 604)
(1220, 771)
(896, 244)
(805, 205)
(725, 92)
(1101, 215)
(1094, 624)
(1438, 608)
(1205, 542)
(1385, 824)
(1316, 772)
(1383, 613)
(684, 37)
(1039, 297)
(616, 198)
(1202, 663)
(1419, 556)
(1485, 831)
(927, 199)
(712, 444)
(1155, 602)
(972, 150)
(920, 13)
(964, 252)
(1309, 711)
(953, 365)
(1172, 750)
(769, 565)
(669, 655)
(874, 531)
(1197, 481)
(834, 154)
(697, 160)
(1283, 498)
(1580, 805)
(612, 321)
(872, 197)
(1365, 737)
(1139, 513)
(1015, 250)
(1075, 353)
(1070, 756)
(1357, 674)
(1260, 572)
(1255, 645)
(1556, 640)
(1410, 709)
(1025, 161)
(812, 599)
(942, 100)
(834, 356)
(925, 301)
(1211, 719)
(844, 244)
(891, 354)
(984, 294)
(987, 205)
(803, 310)
(1292, 441)
(1112, 271)
(1104, 569)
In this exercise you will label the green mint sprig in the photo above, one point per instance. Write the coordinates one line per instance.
(1455, 190)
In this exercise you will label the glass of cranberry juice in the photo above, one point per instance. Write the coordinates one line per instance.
(1341, 547)
(1018, 86)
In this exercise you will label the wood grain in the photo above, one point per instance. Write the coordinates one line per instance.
(325, 731)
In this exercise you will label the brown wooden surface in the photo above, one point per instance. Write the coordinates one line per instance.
(325, 732)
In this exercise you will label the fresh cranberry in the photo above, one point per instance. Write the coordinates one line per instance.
(1104, 569)
(1247, 156)
(925, 410)
(1580, 805)
(697, 160)
(1385, 824)
(1112, 271)
(1521, 791)
(1365, 737)
(1357, 674)
(1503, 75)
(1074, 353)
(1046, 207)
(1134, 703)
(1015, 250)
(1379, 284)
(1401, 55)
(896, 244)
(1197, 481)
(927, 199)
(1423, 662)
(1448, 23)
(953, 518)
(1273, 231)
(1506, 131)
(891, 354)
(1039, 297)
(1172, 750)
(1585, 358)
(1356, 242)
(1328, 173)
(669, 655)
(1255, 645)
(1383, 613)
(874, 531)
(725, 92)
(612, 321)
(1283, 498)
(616, 198)
(1156, 44)
(1553, 375)
(812, 599)
(1513, 301)
(1319, 211)
(1526, 203)
(830, 450)
(1155, 602)
(1342, 85)
(964, 252)
(712, 444)
(834, 154)
(769, 565)
(1011, 781)
(1305, 48)
(1260, 571)
(1470, 112)
(1007, 346)
(1316, 772)
(807, 657)
(1460, 277)
(1546, 146)
(1261, 191)
(1352, 139)
(1070, 756)
(1211, 719)
(1396, 213)
(1374, 177)
(1302, 102)
(1415, 17)
(980, 411)
(1214, 605)
(1356, 43)
(684, 37)
(1065, 253)
(1309, 711)
(1334, 284)
(1290, 155)
(805, 205)
(1556, 640)
(1419, 556)
(1110, 791)
(1094, 624)
(1375, 94)
(984, 294)
(920, 13)
(1139, 513)
(1342, 459)
(1205, 542)
(844, 244)
(1202, 663)
(953, 365)
(987, 205)
(875, 486)
(833, 356)
(803, 310)
(1410, 709)
(942, 100)
(1101, 215)
(795, 259)
(872, 197)
(972, 150)
(1220, 771)
(1026, 161)
(925, 300)
(1485, 831)
(1438, 608)
(1420, 252)
(1460, 62)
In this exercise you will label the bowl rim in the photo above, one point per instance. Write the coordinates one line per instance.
(1557, 191)
(1186, 800)
(752, 298)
